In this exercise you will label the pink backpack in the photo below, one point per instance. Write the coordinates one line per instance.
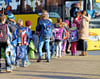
(3, 33)
(59, 33)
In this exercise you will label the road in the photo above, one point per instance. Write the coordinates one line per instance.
(67, 67)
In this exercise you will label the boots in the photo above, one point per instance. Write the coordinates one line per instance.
(82, 54)
(85, 53)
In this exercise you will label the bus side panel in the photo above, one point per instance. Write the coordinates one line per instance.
(32, 17)
(94, 42)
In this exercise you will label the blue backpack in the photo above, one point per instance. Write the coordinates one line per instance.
(73, 36)
(46, 29)
(20, 53)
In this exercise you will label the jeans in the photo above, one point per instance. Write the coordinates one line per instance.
(10, 56)
(25, 59)
(41, 43)
(53, 47)
(83, 44)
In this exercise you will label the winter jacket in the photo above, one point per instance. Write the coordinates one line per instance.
(19, 33)
(40, 28)
(77, 22)
(84, 27)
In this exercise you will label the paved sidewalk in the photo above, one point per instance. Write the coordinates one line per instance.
(68, 67)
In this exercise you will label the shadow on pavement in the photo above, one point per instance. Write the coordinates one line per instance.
(52, 76)
(58, 73)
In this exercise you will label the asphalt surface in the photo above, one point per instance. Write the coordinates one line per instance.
(67, 67)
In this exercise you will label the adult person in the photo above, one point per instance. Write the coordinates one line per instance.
(45, 30)
(73, 10)
(83, 32)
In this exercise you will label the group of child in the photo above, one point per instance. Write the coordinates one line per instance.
(16, 43)
(65, 36)
(56, 35)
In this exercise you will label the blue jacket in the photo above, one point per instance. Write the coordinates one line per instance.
(47, 33)
(18, 33)
(29, 34)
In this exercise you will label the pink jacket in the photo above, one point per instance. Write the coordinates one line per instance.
(77, 22)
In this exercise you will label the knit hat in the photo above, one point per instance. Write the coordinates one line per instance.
(66, 21)
(10, 16)
(28, 23)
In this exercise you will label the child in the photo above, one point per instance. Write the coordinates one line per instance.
(12, 38)
(3, 35)
(44, 27)
(66, 36)
(21, 33)
(29, 36)
(58, 36)
(73, 39)
(10, 53)
(12, 25)
(77, 20)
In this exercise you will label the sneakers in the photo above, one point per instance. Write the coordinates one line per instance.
(28, 63)
(8, 70)
(54, 57)
(62, 54)
(25, 64)
(13, 67)
(17, 64)
(39, 60)
(48, 61)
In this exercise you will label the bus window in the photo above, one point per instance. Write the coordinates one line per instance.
(96, 6)
(54, 7)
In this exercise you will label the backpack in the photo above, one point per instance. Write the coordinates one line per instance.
(58, 34)
(46, 29)
(73, 35)
(66, 35)
(3, 33)
(20, 53)
(12, 27)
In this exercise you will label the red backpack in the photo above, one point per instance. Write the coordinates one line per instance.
(3, 32)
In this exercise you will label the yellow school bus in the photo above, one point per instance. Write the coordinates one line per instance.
(94, 28)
